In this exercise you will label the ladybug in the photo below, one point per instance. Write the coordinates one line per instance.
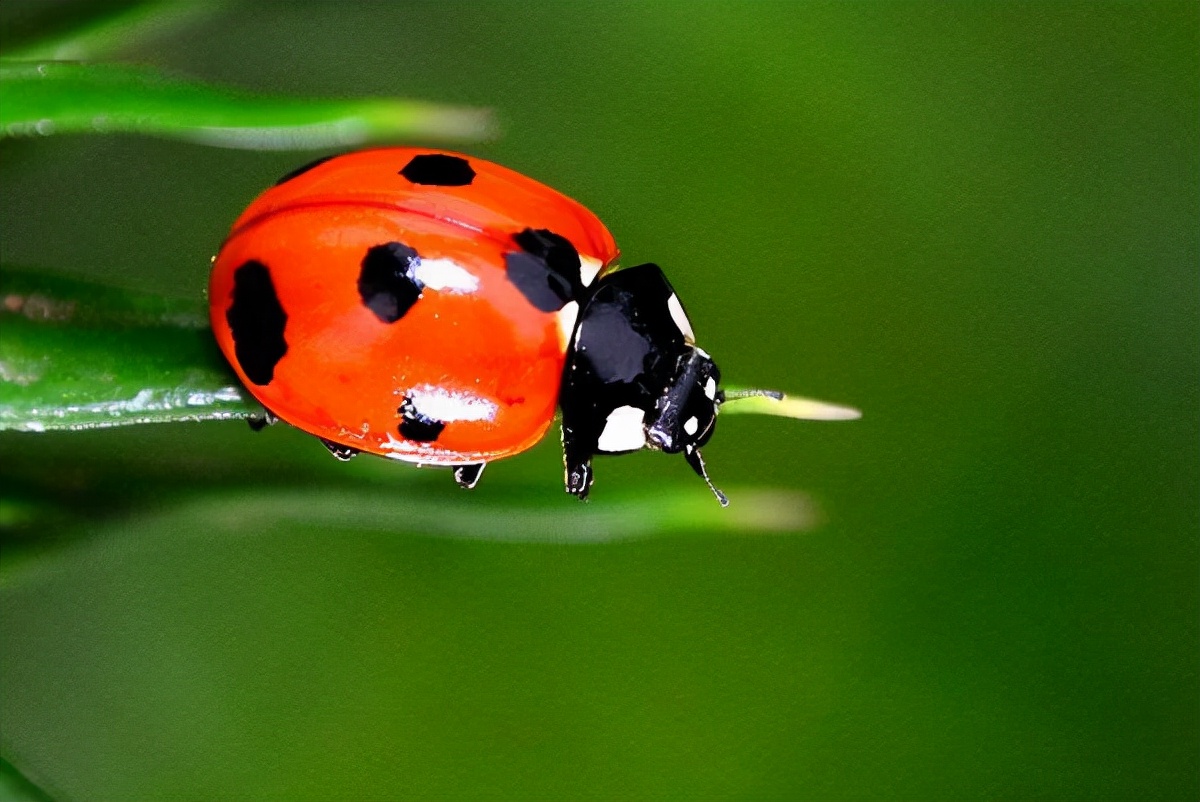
(437, 308)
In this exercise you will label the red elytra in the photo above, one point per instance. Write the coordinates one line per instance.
(435, 308)
(475, 347)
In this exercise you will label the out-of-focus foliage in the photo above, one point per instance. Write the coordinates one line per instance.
(43, 98)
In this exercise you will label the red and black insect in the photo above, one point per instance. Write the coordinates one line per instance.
(436, 308)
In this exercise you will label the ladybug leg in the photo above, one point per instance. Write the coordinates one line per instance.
(467, 476)
(692, 455)
(579, 479)
(260, 422)
(338, 450)
(577, 461)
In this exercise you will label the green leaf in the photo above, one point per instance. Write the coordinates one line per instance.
(75, 355)
(784, 405)
(15, 787)
(43, 98)
(671, 511)
(616, 517)
(113, 32)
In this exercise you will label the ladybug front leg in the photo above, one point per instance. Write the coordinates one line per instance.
(577, 461)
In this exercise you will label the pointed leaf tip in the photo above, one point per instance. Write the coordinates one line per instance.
(790, 406)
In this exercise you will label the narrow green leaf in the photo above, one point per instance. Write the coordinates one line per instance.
(60, 300)
(787, 406)
(79, 356)
(670, 510)
(44, 98)
(116, 31)
(15, 787)
(75, 355)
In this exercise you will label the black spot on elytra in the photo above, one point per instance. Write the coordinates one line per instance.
(302, 170)
(439, 170)
(417, 427)
(257, 321)
(388, 283)
(546, 270)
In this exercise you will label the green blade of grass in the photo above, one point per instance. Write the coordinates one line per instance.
(668, 511)
(44, 98)
(786, 405)
(15, 787)
(671, 511)
(79, 356)
(112, 32)
(76, 355)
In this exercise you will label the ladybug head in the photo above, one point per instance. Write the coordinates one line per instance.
(634, 378)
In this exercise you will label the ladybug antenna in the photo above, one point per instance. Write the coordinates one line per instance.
(733, 395)
(692, 455)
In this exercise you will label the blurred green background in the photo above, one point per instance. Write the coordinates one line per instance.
(975, 221)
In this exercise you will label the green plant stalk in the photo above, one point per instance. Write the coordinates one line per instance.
(75, 355)
(108, 35)
(15, 787)
(44, 98)
(669, 510)
(787, 405)
(79, 356)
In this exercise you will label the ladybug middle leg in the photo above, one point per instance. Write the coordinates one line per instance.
(578, 449)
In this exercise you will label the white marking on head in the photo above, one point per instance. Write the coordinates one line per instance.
(566, 321)
(445, 275)
(710, 388)
(623, 431)
(680, 318)
(589, 268)
(691, 425)
(451, 405)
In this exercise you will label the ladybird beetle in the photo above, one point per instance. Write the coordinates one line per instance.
(436, 308)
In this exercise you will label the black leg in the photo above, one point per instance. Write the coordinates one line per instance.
(467, 476)
(692, 455)
(338, 450)
(579, 440)
(260, 422)
(579, 478)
